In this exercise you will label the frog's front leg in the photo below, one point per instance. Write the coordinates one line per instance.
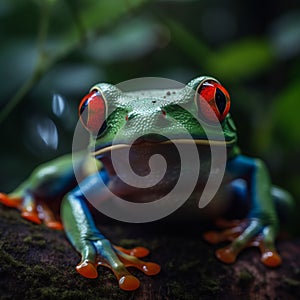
(45, 186)
(36, 211)
(261, 225)
(93, 246)
(38, 197)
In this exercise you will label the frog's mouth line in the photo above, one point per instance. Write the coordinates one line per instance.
(168, 142)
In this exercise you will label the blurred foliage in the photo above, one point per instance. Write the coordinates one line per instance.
(53, 51)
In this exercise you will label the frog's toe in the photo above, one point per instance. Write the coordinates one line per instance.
(129, 282)
(243, 234)
(32, 210)
(31, 216)
(229, 234)
(212, 237)
(122, 261)
(227, 255)
(126, 281)
(129, 258)
(271, 259)
(137, 251)
(39, 214)
(99, 252)
(87, 269)
(54, 225)
(27, 206)
(10, 201)
(148, 268)
(47, 216)
(269, 255)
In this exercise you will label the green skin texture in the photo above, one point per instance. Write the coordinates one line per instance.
(56, 178)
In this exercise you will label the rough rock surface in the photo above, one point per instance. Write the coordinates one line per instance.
(39, 263)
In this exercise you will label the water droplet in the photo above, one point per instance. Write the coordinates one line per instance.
(40, 135)
(47, 131)
(58, 104)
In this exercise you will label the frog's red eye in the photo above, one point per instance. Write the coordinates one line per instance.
(92, 112)
(213, 101)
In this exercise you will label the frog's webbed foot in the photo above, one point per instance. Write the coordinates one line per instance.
(10, 201)
(32, 210)
(243, 234)
(102, 253)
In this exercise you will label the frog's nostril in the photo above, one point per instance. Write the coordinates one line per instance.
(164, 113)
(130, 116)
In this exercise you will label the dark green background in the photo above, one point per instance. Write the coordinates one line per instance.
(62, 48)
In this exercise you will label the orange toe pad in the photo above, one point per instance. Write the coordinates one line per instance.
(139, 252)
(31, 216)
(129, 283)
(271, 259)
(87, 269)
(226, 255)
(55, 225)
(150, 268)
(211, 237)
(10, 202)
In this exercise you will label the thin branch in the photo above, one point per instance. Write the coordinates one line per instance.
(40, 67)
(45, 62)
(72, 5)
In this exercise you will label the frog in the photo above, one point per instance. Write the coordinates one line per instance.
(55, 193)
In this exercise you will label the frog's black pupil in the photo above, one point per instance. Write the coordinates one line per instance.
(84, 116)
(220, 100)
(102, 129)
(83, 107)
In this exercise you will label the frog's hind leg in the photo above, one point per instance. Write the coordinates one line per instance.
(284, 203)
(23, 200)
(10, 201)
(34, 197)
(31, 210)
(250, 232)
(15, 198)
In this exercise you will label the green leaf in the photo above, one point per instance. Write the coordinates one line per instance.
(96, 14)
(89, 18)
(189, 43)
(242, 59)
(286, 114)
(239, 60)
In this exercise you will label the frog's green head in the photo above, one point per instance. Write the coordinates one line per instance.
(196, 110)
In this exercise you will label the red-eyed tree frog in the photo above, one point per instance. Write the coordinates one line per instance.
(108, 110)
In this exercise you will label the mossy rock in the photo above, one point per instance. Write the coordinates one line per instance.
(39, 263)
